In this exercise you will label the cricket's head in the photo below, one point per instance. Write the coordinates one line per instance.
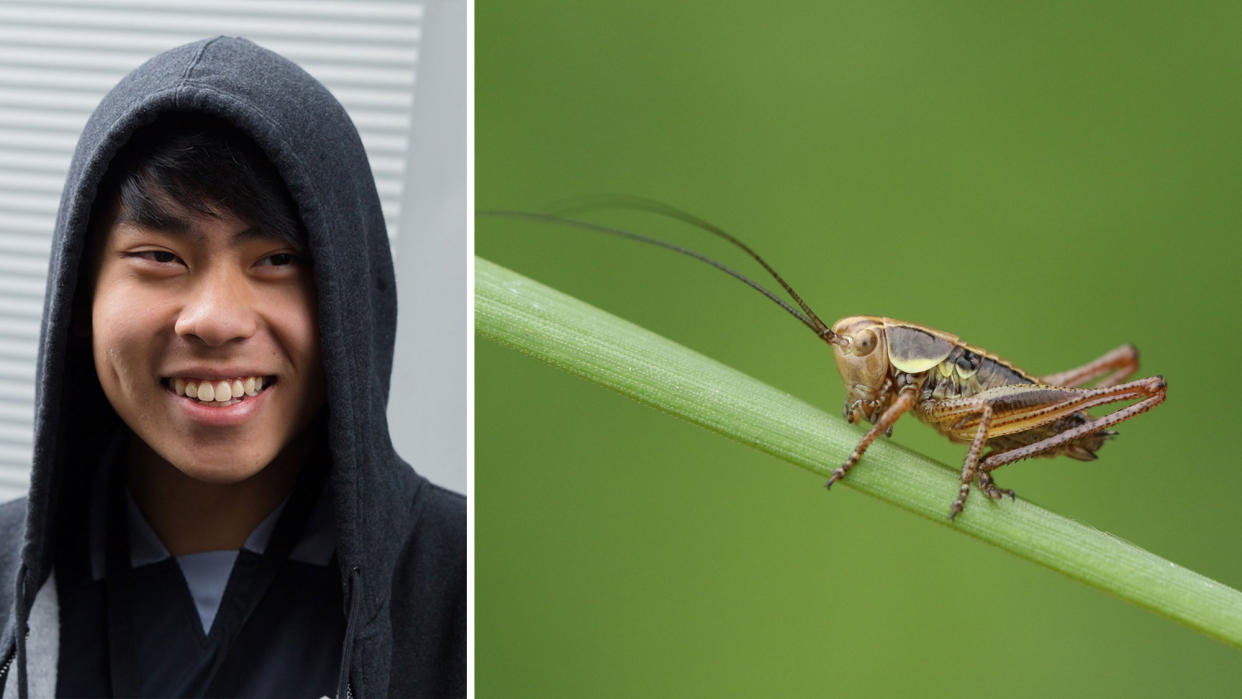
(861, 351)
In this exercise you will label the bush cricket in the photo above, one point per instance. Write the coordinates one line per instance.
(891, 367)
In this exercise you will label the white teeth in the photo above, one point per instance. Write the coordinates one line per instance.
(218, 391)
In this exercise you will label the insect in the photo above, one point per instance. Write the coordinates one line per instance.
(891, 367)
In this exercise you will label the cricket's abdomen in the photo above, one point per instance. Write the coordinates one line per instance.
(968, 372)
(1083, 448)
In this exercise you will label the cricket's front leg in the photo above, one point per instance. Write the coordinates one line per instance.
(905, 401)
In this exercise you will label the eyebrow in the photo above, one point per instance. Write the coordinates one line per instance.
(182, 227)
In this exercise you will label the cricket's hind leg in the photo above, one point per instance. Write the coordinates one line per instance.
(1150, 391)
(1115, 366)
(1033, 410)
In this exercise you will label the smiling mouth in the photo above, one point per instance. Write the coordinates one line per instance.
(218, 393)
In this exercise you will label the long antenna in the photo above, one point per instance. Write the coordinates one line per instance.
(624, 201)
(809, 318)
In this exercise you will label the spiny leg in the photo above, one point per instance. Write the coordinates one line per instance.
(972, 458)
(988, 486)
(1121, 362)
(1152, 388)
(1023, 407)
(905, 401)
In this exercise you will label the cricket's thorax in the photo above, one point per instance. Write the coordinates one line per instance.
(965, 373)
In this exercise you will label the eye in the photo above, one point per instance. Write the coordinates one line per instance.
(162, 257)
(864, 343)
(279, 259)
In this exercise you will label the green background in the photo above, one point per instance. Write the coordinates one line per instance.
(1045, 182)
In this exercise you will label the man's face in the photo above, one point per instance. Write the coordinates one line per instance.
(207, 302)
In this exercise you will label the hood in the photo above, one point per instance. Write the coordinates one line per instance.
(310, 140)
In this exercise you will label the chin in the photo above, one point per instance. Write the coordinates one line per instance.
(225, 470)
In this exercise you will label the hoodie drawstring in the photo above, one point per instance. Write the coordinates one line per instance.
(343, 688)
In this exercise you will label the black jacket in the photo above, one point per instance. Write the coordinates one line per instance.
(401, 541)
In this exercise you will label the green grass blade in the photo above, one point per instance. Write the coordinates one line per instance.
(567, 333)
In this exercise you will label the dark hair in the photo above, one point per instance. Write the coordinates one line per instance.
(201, 164)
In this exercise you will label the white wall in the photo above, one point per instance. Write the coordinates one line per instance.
(427, 407)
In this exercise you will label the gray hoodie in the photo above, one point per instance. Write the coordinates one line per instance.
(401, 541)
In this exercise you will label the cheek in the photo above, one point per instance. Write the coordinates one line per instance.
(877, 368)
(109, 329)
(294, 322)
(126, 327)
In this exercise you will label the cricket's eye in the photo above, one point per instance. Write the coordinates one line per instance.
(864, 343)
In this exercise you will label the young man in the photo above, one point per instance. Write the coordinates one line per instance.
(215, 505)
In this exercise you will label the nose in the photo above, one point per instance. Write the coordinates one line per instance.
(220, 309)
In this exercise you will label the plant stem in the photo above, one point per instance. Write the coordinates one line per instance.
(567, 333)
